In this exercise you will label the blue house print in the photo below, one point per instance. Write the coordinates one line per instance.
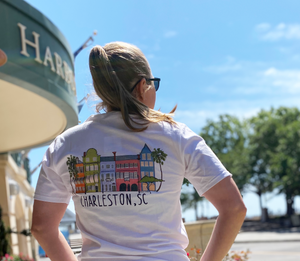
(147, 167)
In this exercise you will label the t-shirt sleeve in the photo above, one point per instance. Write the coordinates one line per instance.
(202, 167)
(50, 186)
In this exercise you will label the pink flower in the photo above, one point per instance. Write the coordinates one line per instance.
(6, 255)
(188, 254)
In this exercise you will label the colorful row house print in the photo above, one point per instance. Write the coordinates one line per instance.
(91, 161)
(147, 167)
(80, 182)
(107, 174)
(128, 173)
(114, 173)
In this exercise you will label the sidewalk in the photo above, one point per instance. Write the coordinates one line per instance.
(281, 235)
(257, 232)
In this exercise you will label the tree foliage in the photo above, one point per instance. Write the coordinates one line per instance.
(191, 200)
(4, 245)
(276, 151)
(228, 138)
(263, 151)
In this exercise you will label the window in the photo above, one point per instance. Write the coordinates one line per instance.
(131, 175)
(122, 165)
(91, 167)
(102, 166)
(102, 177)
(87, 168)
(92, 179)
(81, 169)
(126, 165)
(118, 166)
(93, 187)
(131, 165)
(147, 173)
(126, 176)
(148, 156)
(135, 165)
(94, 159)
(107, 177)
(117, 175)
(144, 156)
(87, 159)
(151, 163)
(121, 175)
(143, 173)
(96, 178)
(112, 176)
(146, 164)
(107, 166)
(96, 167)
(151, 173)
(142, 164)
(78, 169)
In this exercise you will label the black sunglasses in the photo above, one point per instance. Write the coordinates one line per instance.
(156, 83)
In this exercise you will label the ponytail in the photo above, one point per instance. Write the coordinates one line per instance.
(114, 70)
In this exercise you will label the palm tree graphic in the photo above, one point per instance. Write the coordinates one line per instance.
(72, 170)
(159, 157)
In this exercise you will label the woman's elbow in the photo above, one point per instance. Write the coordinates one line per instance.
(237, 210)
(242, 210)
(41, 228)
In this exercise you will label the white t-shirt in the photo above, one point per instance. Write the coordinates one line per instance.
(127, 205)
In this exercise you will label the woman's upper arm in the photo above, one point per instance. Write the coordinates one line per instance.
(225, 196)
(47, 215)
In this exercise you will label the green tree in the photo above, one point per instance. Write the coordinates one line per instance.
(276, 153)
(191, 200)
(262, 143)
(228, 138)
(71, 163)
(159, 157)
(4, 245)
(149, 180)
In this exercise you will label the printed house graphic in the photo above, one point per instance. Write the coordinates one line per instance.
(97, 173)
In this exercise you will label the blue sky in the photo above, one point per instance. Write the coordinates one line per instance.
(213, 57)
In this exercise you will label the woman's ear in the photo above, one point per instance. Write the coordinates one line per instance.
(140, 90)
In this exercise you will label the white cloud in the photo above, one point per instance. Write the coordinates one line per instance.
(230, 65)
(170, 34)
(263, 27)
(288, 80)
(196, 119)
(281, 31)
(150, 56)
(245, 77)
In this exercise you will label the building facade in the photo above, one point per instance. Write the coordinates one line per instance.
(36, 75)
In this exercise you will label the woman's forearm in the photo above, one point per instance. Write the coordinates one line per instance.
(55, 245)
(226, 229)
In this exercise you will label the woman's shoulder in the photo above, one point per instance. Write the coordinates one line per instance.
(178, 128)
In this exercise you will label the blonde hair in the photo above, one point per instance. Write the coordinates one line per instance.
(114, 69)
